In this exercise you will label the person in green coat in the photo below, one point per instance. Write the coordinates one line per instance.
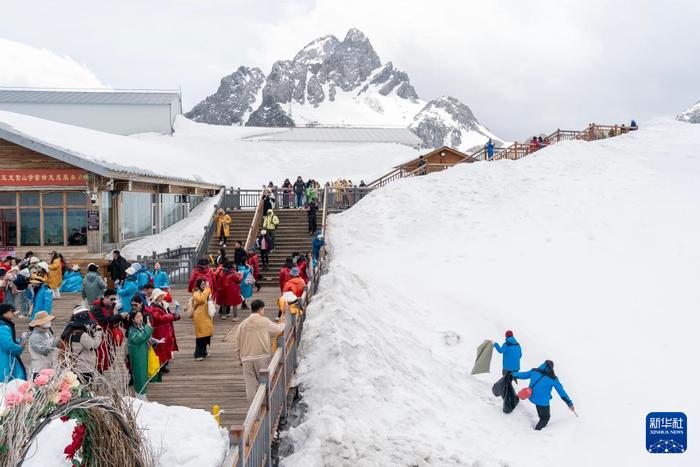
(138, 337)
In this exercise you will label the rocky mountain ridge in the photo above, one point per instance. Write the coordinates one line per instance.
(334, 82)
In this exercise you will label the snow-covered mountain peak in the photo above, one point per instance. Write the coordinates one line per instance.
(317, 50)
(691, 115)
(333, 82)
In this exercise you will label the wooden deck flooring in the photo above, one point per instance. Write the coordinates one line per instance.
(217, 380)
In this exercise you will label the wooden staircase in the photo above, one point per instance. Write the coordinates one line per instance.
(291, 235)
(240, 224)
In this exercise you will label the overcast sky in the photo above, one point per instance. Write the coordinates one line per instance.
(523, 67)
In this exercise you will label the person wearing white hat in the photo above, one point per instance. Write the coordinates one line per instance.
(42, 343)
(163, 329)
(72, 280)
(82, 337)
(128, 289)
(264, 244)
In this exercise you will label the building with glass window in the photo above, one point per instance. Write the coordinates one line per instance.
(61, 187)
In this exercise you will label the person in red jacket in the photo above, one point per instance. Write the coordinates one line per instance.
(228, 290)
(286, 272)
(102, 311)
(303, 266)
(162, 321)
(295, 284)
(255, 264)
(201, 271)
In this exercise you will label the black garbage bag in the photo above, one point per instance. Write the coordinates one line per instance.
(504, 388)
(499, 387)
(510, 398)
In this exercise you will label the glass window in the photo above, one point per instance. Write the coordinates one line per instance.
(76, 223)
(76, 198)
(195, 200)
(53, 199)
(28, 198)
(8, 227)
(171, 210)
(30, 227)
(137, 215)
(8, 199)
(105, 217)
(53, 227)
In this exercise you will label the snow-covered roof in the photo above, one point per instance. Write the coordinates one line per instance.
(105, 154)
(342, 135)
(91, 96)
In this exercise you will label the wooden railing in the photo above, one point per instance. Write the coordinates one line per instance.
(255, 223)
(253, 439)
(515, 151)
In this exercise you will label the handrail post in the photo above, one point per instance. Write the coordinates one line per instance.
(236, 434)
(282, 344)
(265, 379)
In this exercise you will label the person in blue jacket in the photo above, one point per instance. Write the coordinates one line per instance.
(128, 289)
(72, 280)
(542, 380)
(489, 149)
(316, 245)
(11, 348)
(511, 353)
(39, 295)
(142, 274)
(160, 278)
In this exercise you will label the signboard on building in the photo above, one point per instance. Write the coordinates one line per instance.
(93, 220)
(43, 177)
(7, 251)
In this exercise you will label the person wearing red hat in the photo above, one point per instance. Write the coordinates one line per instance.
(511, 353)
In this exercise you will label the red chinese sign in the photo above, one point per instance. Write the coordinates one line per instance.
(43, 177)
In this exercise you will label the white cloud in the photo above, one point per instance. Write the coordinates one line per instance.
(523, 67)
(27, 66)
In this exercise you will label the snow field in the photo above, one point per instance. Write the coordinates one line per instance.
(587, 251)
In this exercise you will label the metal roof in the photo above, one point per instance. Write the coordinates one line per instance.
(93, 96)
(342, 135)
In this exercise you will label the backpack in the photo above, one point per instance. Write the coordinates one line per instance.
(250, 279)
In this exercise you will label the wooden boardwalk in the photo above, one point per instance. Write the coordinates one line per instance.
(218, 380)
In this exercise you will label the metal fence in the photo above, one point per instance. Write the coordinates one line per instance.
(177, 269)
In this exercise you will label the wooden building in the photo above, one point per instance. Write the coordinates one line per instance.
(55, 197)
(436, 160)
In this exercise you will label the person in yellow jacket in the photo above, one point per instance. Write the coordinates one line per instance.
(223, 226)
(270, 223)
(203, 324)
(55, 274)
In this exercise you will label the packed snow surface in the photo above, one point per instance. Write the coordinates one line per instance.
(589, 252)
(223, 155)
(179, 436)
(186, 233)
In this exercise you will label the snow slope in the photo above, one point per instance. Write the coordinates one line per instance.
(587, 251)
(186, 233)
(224, 156)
